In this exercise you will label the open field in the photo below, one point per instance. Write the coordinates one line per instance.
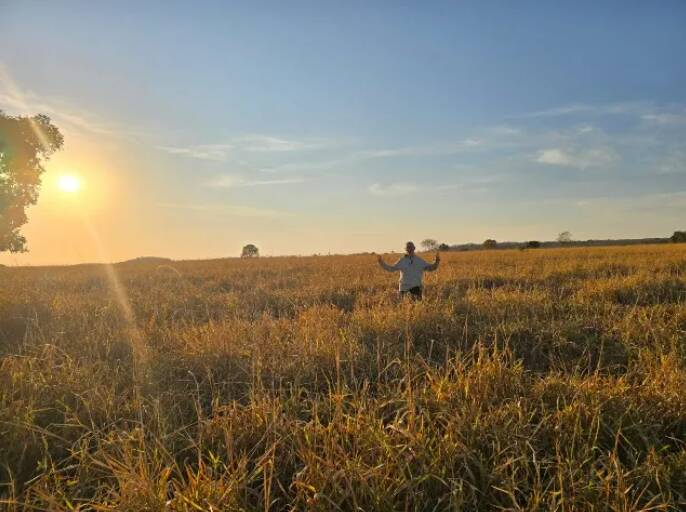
(536, 380)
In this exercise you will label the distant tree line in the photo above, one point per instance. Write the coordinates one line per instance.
(564, 239)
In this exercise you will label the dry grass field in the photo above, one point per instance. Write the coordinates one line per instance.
(526, 380)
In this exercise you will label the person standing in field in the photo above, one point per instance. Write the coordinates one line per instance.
(411, 268)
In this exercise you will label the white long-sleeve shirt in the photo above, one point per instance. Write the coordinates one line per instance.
(411, 270)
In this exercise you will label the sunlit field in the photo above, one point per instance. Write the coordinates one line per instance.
(526, 380)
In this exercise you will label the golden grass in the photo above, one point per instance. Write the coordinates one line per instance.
(534, 380)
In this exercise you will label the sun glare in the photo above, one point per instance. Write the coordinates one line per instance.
(69, 183)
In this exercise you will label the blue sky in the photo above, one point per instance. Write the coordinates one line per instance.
(339, 127)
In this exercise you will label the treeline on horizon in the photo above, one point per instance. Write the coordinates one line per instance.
(563, 240)
(489, 244)
(536, 244)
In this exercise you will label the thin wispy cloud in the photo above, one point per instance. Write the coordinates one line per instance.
(448, 186)
(651, 202)
(433, 149)
(554, 157)
(229, 210)
(666, 118)
(581, 142)
(232, 181)
(392, 190)
(18, 101)
(260, 144)
(644, 112)
(582, 159)
(214, 152)
(267, 144)
(223, 151)
(581, 108)
(553, 112)
(673, 162)
(348, 156)
(401, 189)
(504, 129)
(317, 165)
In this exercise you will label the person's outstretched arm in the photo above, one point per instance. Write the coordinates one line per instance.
(386, 266)
(433, 266)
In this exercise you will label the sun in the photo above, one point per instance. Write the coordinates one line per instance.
(69, 183)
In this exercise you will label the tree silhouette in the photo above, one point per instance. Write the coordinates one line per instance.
(565, 237)
(250, 251)
(490, 244)
(429, 244)
(678, 237)
(25, 143)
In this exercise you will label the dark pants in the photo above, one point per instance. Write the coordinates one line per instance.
(414, 293)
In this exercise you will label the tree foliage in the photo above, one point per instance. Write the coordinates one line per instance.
(533, 244)
(429, 244)
(250, 251)
(443, 247)
(678, 237)
(565, 237)
(25, 143)
(490, 244)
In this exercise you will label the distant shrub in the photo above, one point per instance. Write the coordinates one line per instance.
(678, 237)
(429, 244)
(565, 237)
(250, 251)
(490, 244)
(533, 244)
(444, 247)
